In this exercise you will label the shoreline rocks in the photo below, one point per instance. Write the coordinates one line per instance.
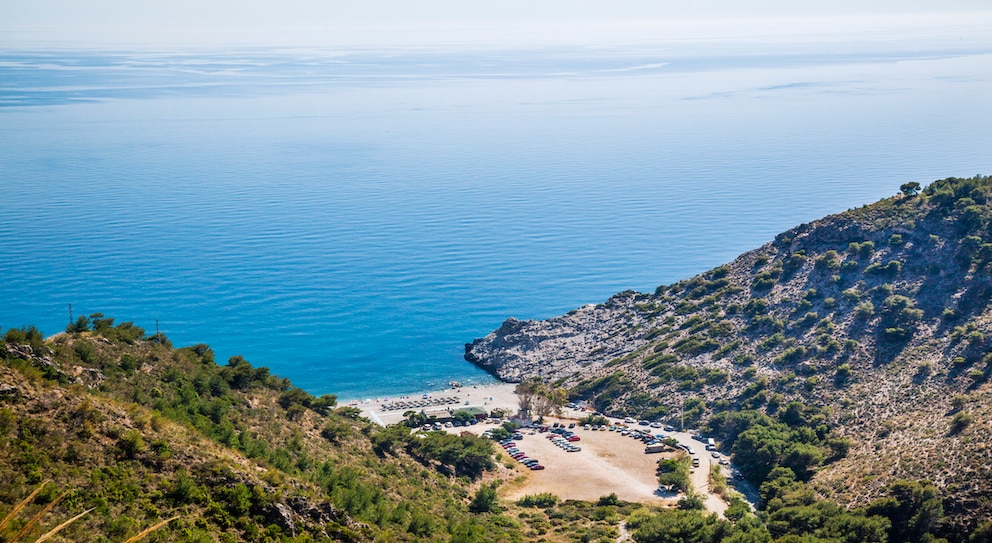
(557, 348)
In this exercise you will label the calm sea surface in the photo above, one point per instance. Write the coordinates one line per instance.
(352, 218)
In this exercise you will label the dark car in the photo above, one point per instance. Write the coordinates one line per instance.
(537, 467)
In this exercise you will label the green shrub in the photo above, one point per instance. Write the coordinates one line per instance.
(771, 341)
(960, 421)
(890, 268)
(130, 444)
(694, 345)
(791, 355)
(485, 500)
(794, 262)
(843, 374)
(542, 500)
(828, 260)
(851, 295)
(861, 250)
(897, 333)
(864, 310)
(609, 499)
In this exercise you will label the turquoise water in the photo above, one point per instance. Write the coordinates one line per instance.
(351, 219)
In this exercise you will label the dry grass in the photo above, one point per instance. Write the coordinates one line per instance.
(36, 518)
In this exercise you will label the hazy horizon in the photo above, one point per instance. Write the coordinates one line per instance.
(313, 23)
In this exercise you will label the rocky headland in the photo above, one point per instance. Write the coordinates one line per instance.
(880, 316)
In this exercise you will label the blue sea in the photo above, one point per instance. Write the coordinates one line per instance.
(351, 218)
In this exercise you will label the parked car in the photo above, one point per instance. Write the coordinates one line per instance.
(574, 438)
(536, 467)
(571, 425)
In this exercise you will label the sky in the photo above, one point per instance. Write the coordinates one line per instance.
(161, 23)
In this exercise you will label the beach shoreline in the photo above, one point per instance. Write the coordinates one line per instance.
(389, 409)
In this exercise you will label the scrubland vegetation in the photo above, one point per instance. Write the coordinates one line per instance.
(854, 352)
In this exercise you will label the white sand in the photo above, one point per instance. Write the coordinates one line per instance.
(488, 397)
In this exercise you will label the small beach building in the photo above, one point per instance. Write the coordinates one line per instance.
(479, 413)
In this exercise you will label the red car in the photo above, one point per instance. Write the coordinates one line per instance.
(574, 438)
(537, 467)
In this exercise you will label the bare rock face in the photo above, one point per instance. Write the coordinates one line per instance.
(585, 338)
(9, 391)
(281, 515)
(299, 511)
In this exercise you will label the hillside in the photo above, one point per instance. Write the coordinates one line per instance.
(138, 432)
(877, 318)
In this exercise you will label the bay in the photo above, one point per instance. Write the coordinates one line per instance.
(350, 218)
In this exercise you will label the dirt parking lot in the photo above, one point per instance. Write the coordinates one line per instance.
(608, 463)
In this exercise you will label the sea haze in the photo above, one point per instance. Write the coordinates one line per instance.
(352, 218)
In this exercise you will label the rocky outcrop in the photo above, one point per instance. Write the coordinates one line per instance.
(322, 516)
(586, 338)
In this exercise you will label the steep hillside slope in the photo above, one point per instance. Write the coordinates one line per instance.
(879, 317)
(142, 432)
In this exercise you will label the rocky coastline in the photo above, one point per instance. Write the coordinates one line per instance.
(561, 347)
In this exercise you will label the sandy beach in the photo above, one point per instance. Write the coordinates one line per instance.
(390, 409)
